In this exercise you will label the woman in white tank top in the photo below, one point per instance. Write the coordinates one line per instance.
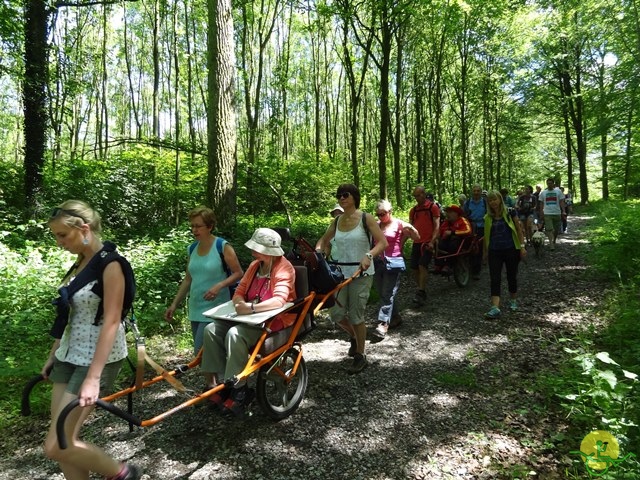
(354, 252)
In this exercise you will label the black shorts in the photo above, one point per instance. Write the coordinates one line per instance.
(420, 255)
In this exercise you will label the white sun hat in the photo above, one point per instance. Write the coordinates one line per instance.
(265, 241)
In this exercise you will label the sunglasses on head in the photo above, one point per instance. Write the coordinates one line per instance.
(341, 195)
(58, 211)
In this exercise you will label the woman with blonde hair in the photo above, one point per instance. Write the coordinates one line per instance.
(89, 347)
(503, 245)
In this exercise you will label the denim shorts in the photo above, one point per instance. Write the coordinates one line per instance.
(74, 375)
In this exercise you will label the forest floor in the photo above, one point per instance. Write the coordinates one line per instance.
(447, 395)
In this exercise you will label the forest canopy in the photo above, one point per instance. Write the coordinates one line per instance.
(111, 101)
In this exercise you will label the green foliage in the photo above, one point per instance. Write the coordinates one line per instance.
(615, 240)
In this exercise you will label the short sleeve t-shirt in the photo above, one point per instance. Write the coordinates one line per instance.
(422, 218)
(551, 201)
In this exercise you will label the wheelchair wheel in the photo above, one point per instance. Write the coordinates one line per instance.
(462, 271)
(279, 394)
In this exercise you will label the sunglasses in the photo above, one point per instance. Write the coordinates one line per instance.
(341, 195)
(59, 211)
(381, 214)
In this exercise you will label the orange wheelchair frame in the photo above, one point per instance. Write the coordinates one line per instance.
(459, 260)
(276, 359)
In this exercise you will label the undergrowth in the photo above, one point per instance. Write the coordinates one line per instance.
(598, 384)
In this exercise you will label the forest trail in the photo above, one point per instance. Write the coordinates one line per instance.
(447, 395)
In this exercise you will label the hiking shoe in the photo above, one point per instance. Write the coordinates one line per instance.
(396, 320)
(381, 330)
(494, 312)
(359, 364)
(353, 348)
(217, 399)
(237, 402)
(513, 305)
(420, 298)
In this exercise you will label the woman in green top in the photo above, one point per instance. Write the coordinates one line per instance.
(206, 281)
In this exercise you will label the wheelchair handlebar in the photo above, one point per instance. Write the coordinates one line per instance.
(109, 407)
(25, 405)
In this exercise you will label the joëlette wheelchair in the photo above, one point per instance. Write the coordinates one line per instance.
(276, 361)
(459, 260)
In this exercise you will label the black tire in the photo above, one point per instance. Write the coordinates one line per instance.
(278, 394)
(462, 271)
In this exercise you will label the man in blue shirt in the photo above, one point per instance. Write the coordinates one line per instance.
(475, 209)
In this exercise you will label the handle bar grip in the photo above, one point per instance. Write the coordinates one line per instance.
(25, 409)
(109, 407)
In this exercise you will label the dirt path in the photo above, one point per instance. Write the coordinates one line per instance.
(447, 395)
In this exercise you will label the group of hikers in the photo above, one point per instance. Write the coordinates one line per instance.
(89, 340)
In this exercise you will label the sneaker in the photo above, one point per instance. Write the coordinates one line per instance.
(396, 320)
(513, 305)
(358, 365)
(420, 298)
(353, 348)
(381, 330)
(494, 312)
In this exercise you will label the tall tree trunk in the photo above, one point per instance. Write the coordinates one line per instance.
(35, 99)
(132, 90)
(156, 69)
(395, 138)
(385, 111)
(103, 133)
(221, 121)
(176, 94)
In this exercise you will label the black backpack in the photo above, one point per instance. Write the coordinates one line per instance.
(94, 271)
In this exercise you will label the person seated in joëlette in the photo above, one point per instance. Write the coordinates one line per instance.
(452, 231)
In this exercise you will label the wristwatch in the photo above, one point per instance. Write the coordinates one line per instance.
(253, 307)
(369, 256)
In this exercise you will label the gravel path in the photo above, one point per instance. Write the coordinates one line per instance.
(447, 395)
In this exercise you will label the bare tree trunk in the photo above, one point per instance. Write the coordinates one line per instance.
(176, 94)
(156, 69)
(36, 77)
(132, 90)
(222, 161)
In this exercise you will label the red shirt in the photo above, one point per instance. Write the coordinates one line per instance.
(461, 227)
(421, 217)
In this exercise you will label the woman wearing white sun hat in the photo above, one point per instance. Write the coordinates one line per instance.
(268, 284)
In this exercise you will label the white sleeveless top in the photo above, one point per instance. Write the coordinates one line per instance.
(78, 344)
(352, 246)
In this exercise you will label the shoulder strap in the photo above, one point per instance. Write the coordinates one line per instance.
(366, 229)
(192, 247)
(220, 248)
(106, 257)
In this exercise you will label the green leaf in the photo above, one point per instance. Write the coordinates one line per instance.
(604, 357)
(609, 377)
